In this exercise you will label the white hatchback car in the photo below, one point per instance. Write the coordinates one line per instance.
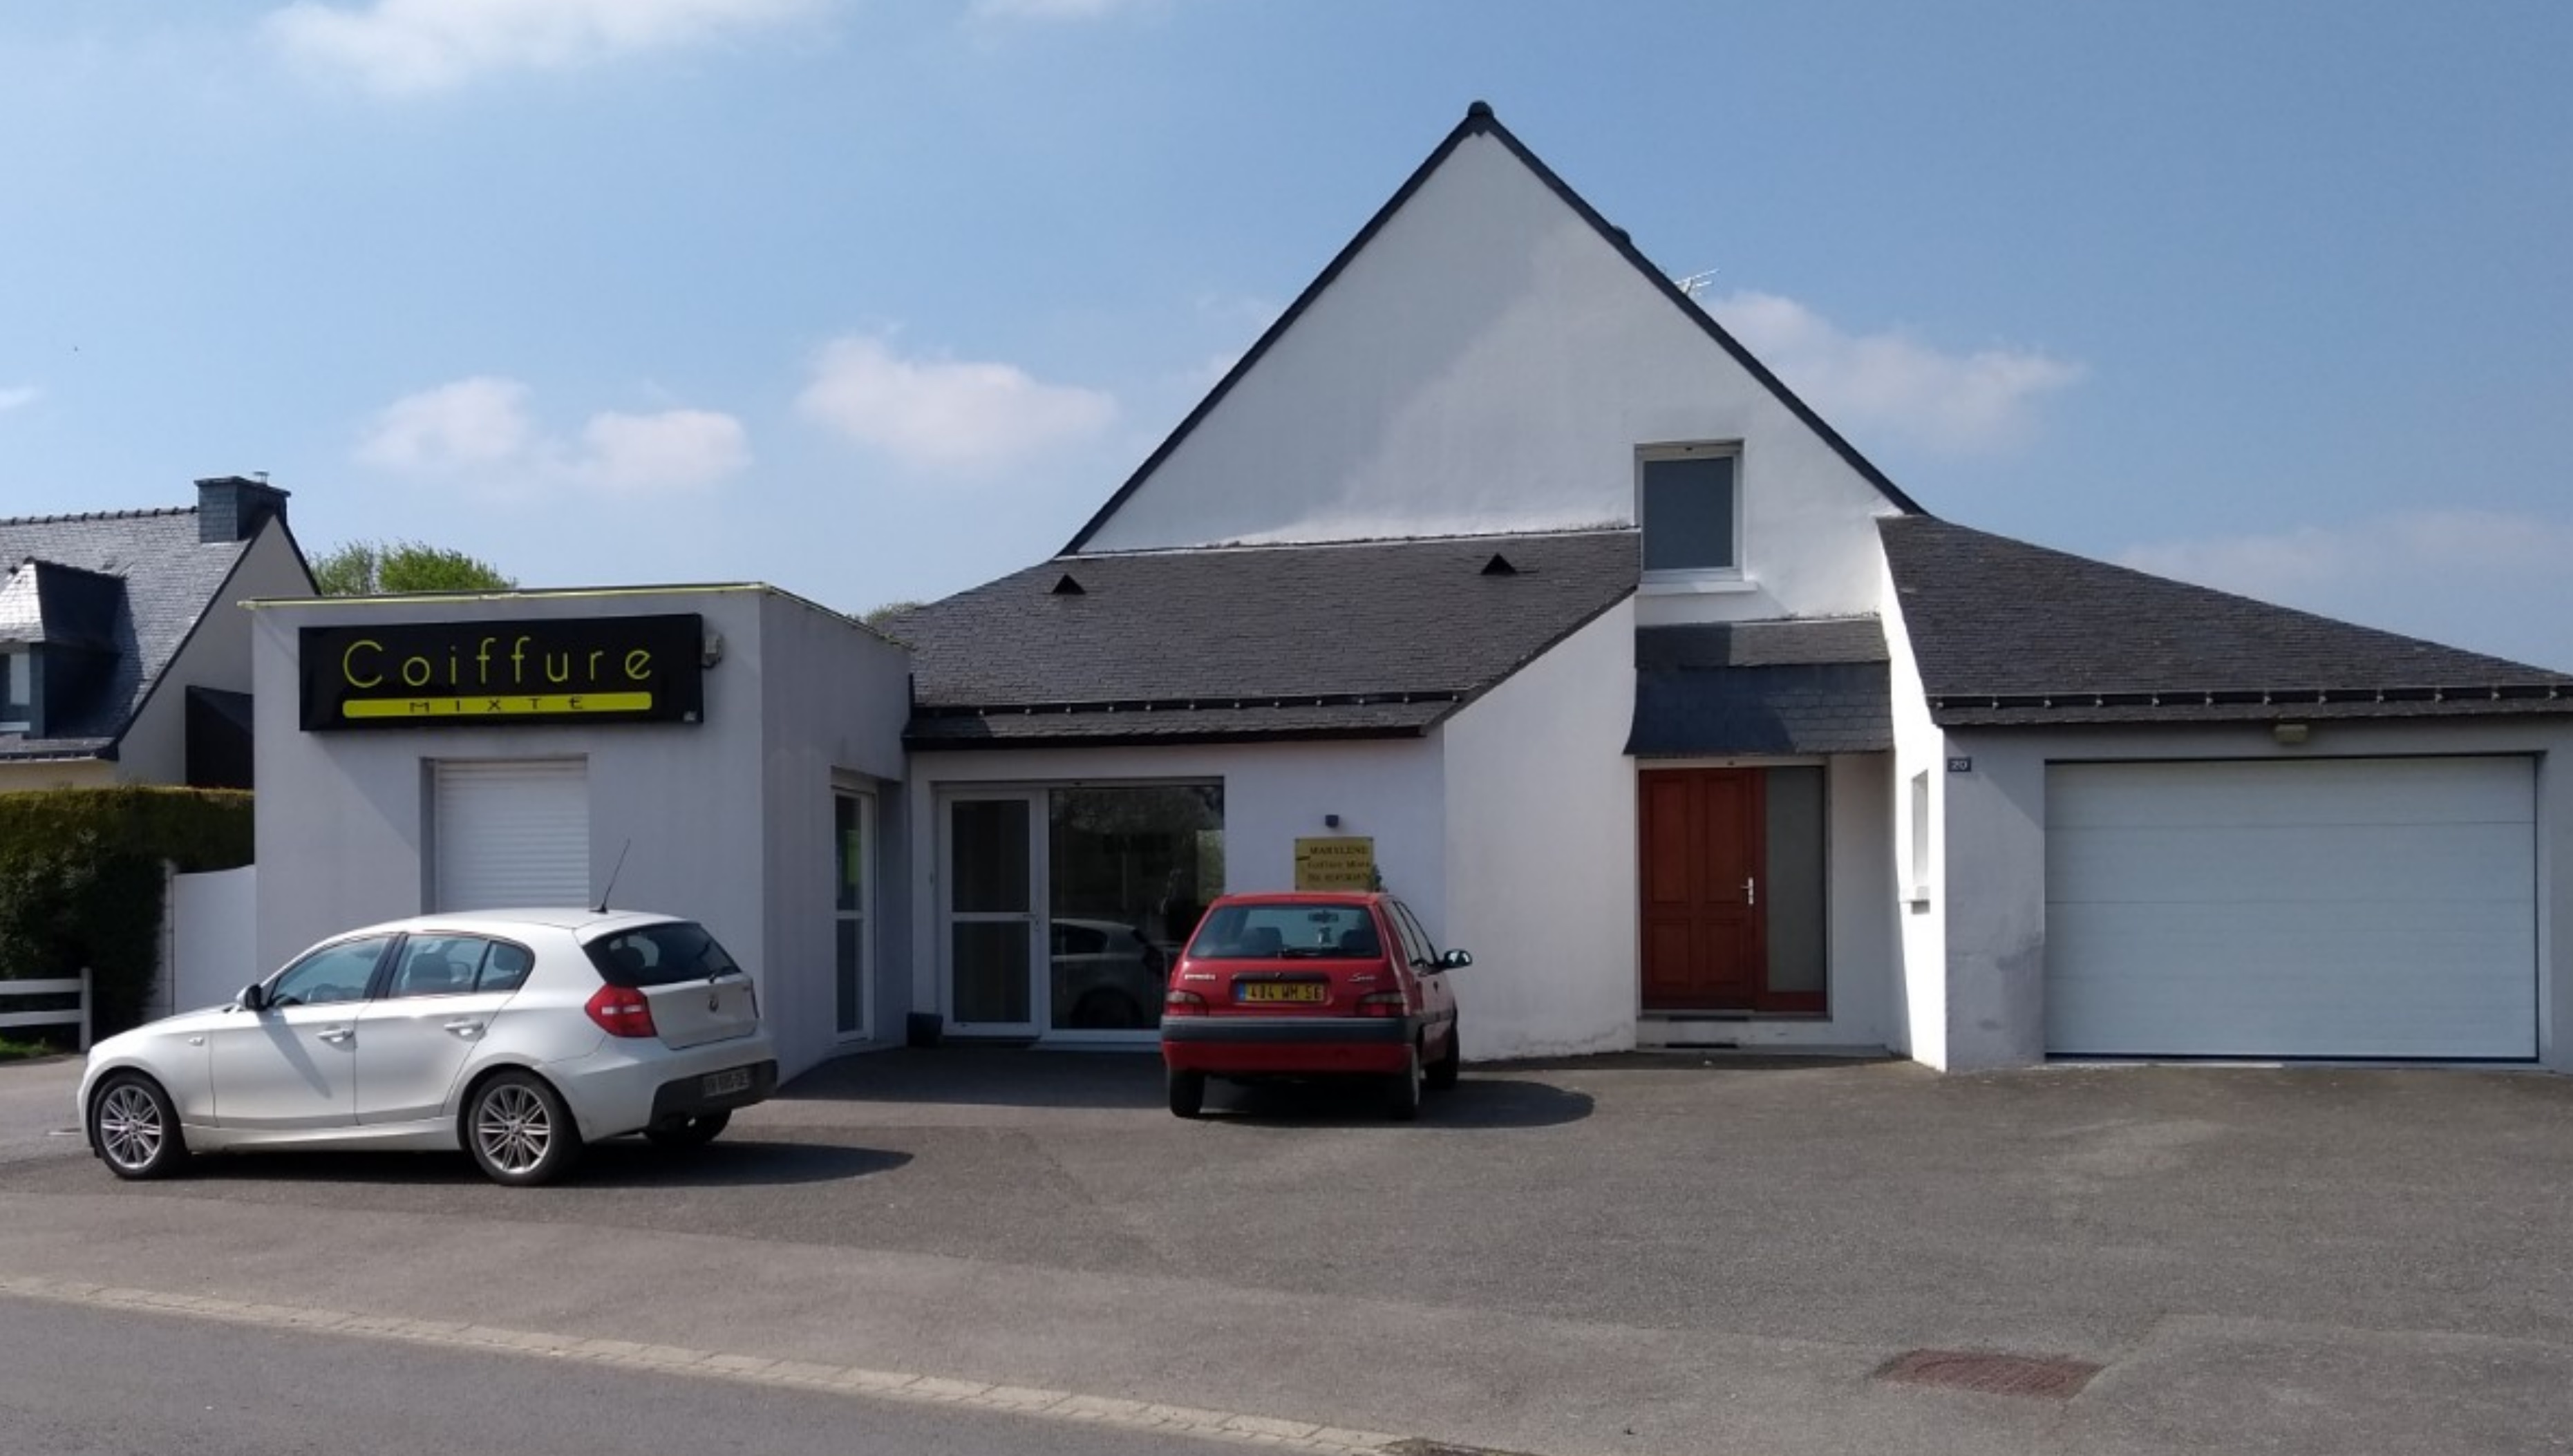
(516, 1035)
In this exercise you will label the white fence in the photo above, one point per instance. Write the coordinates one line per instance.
(65, 986)
(211, 948)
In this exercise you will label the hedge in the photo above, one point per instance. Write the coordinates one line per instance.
(80, 882)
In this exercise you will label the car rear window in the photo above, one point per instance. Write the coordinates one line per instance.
(1257, 932)
(658, 955)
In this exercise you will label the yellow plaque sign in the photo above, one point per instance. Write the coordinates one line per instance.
(1335, 864)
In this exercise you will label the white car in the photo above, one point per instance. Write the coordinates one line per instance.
(516, 1035)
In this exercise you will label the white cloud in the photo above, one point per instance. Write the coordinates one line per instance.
(944, 415)
(676, 450)
(411, 47)
(1960, 403)
(480, 432)
(2487, 580)
(467, 424)
(19, 396)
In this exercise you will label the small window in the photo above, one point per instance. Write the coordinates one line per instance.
(437, 966)
(1287, 929)
(17, 690)
(659, 954)
(506, 968)
(1921, 835)
(333, 974)
(1691, 508)
(1415, 941)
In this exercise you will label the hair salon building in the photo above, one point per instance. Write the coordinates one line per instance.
(1496, 572)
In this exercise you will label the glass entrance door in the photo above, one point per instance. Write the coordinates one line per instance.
(992, 875)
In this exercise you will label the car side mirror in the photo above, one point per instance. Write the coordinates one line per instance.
(1455, 961)
(253, 998)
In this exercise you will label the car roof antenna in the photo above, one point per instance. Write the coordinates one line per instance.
(611, 877)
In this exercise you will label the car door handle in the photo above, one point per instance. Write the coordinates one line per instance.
(339, 1036)
(466, 1029)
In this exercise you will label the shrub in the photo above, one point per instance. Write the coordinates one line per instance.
(80, 882)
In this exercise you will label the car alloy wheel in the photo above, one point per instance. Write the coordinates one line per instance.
(1402, 1102)
(135, 1130)
(519, 1130)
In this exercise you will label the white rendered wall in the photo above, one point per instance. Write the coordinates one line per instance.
(1542, 852)
(835, 700)
(216, 655)
(1916, 1009)
(1488, 363)
(72, 773)
(1273, 794)
(1995, 887)
(341, 815)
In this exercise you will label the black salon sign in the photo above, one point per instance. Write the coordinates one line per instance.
(505, 674)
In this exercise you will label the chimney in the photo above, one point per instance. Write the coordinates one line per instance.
(234, 507)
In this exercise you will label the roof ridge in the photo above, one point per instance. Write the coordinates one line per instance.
(1478, 537)
(134, 515)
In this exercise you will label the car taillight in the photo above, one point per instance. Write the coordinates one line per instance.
(1184, 1004)
(621, 1012)
(1381, 1003)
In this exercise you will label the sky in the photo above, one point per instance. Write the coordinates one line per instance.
(877, 300)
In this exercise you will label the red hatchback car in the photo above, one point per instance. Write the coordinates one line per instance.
(1310, 985)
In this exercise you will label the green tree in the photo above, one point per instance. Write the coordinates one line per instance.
(372, 569)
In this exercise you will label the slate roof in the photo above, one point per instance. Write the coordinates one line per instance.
(1368, 640)
(2007, 633)
(169, 578)
(1799, 687)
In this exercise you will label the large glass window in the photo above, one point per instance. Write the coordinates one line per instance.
(1129, 872)
(1795, 839)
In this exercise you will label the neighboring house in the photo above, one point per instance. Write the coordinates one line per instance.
(125, 649)
(1497, 553)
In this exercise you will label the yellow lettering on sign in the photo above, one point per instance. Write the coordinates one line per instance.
(349, 663)
(495, 707)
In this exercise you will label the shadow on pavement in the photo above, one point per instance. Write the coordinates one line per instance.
(1477, 1102)
(991, 1077)
(623, 1164)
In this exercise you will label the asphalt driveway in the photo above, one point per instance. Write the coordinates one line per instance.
(1623, 1254)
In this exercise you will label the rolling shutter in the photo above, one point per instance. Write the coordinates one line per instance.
(2348, 908)
(512, 834)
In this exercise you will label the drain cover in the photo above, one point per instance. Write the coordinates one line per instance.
(1990, 1373)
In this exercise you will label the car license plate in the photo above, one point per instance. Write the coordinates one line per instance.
(1291, 990)
(717, 1084)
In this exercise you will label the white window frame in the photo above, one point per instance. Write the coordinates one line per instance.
(1695, 578)
(17, 676)
(863, 917)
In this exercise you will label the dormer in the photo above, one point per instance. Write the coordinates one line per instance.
(57, 643)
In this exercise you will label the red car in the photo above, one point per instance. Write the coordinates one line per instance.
(1310, 985)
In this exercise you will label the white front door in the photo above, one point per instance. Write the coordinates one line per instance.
(2326, 908)
(992, 862)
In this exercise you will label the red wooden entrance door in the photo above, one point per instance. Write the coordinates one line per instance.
(1705, 936)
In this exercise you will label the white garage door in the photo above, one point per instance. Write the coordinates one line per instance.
(510, 834)
(2351, 907)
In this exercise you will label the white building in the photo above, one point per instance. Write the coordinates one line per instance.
(1499, 563)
